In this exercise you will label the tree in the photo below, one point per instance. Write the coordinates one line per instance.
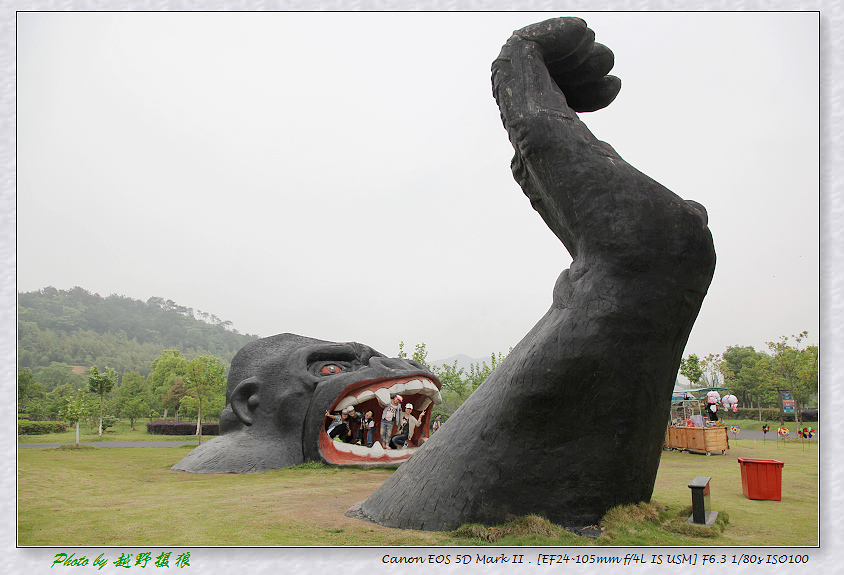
(25, 379)
(101, 384)
(174, 396)
(454, 380)
(30, 394)
(55, 399)
(745, 374)
(809, 372)
(164, 371)
(136, 408)
(794, 369)
(712, 366)
(420, 353)
(211, 408)
(36, 407)
(204, 379)
(691, 369)
(74, 409)
(58, 374)
(133, 397)
(479, 372)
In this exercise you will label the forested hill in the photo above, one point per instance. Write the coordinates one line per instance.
(78, 328)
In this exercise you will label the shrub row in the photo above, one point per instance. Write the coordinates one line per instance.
(806, 414)
(166, 427)
(26, 427)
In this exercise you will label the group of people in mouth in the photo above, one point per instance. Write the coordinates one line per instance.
(395, 431)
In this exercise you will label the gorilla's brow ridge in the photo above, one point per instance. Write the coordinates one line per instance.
(350, 352)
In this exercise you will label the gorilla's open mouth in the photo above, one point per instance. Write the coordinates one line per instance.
(421, 390)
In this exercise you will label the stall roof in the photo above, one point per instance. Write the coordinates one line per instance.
(705, 390)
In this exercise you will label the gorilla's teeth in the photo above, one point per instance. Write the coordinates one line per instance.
(340, 446)
(345, 402)
(383, 396)
(425, 404)
(375, 451)
(397, 389)
(414, 386)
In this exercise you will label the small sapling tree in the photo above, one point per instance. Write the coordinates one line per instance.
(73, 410)
(691, 369)
(101, 384)
(204, 378)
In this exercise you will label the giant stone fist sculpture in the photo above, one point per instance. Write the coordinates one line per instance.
(572, 423)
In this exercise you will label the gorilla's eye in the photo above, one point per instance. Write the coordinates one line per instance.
(331, 368)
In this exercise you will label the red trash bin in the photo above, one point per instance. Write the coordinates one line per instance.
(761, 478)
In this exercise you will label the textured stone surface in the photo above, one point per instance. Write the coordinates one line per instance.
(278, 391)
(572, 423)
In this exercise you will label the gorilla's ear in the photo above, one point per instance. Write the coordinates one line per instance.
(244, 399)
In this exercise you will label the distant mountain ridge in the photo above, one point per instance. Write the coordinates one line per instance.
(79, 328)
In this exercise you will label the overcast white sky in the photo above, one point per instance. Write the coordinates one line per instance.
(346, 176)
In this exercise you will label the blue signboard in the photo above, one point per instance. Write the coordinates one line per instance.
(787, 402)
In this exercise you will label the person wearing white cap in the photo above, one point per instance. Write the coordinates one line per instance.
(408, 426)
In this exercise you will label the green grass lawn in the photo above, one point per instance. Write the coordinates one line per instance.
(130, 497)
(121, 431)
(755, 425)
(792, 521)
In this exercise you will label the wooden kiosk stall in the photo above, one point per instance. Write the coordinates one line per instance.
(689, 430)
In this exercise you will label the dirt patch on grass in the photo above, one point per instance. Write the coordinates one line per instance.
(325, 506)
(74, 447)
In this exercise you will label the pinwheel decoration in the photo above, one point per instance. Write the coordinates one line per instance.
(783, 431)
(734, 429)
(765, 429)
(806, 433)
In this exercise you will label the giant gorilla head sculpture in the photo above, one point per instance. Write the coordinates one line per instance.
(278, 391)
